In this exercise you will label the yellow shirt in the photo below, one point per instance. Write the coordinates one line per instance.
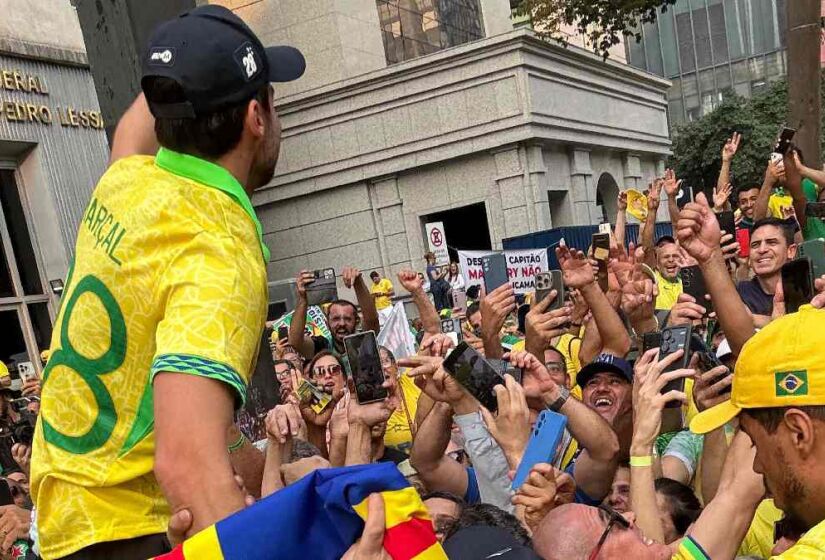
(384, 286)
(668, 291)
(810, 547)
(759, 540)
(398, 432)
(168, 276)
(780, 205)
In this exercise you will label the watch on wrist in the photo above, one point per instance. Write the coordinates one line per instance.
(556, 405)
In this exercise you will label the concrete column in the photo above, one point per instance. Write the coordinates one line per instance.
(632, 169)
(582, 189)
(388, 215)
(539, 185)
(513, 192)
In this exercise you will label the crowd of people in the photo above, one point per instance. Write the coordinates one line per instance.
(711, 451)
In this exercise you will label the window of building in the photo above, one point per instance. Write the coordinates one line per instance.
(701, 34)
(413, 28)
(734, 30)
(667, 37)
(636, 51)
(653, 52)
(718, 40)
(685, 40)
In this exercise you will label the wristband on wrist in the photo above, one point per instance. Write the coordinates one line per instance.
(238, 444)
(641, 461)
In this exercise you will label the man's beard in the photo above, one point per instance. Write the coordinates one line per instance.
(794, 494)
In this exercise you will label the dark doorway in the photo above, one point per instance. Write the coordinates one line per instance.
(607, 193)
(465, 227)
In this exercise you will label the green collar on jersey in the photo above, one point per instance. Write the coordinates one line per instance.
(211, 175)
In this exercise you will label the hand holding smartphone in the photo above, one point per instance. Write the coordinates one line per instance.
(797, 284)
(673, 340)
(494, 268)
(475, 374)
(543, 446)
(365, 367)
(546, 282)
(601, 252)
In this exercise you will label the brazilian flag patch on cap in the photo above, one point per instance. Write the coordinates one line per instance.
(791, 383)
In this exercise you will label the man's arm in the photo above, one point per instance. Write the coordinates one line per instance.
(437, 471)
(611, 329)
(426, 310)
(354, 280)
(760, 208)
(297, 338)
(793, 180)
(495, 308)
(247, 461)
(621, 219)
(728, 151)
(649, 230)
(191, 461)
(135, 133)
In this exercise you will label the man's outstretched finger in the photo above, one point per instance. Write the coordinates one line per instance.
(179, 525)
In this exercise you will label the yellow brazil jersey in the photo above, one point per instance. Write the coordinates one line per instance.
(810, 547)
(780, 205)
(399, 434)
(384, 286)
(668, 291)
(168, 276)
(759, 539)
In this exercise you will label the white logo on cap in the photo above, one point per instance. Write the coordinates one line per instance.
(165, 56)
(249, 63)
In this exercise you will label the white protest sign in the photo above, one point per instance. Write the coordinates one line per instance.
(522, 266)
(437, 242)
(395, 334)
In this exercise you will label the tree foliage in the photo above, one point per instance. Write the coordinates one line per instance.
(697, 146)
(603, 22)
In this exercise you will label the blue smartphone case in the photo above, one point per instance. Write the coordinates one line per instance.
(543, 444)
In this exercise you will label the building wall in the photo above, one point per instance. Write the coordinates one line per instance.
(37, 26)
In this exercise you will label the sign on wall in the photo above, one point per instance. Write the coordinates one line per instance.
(522, 266)
(437, 241)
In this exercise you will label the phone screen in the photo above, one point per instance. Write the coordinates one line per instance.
(693, 284)
(283, 332)
(783, 141)
(365, 367)
(797, 284)
(469, 368)
(601, 246)
(651, 340)
(727, 222)
(460, 300)
(814, 249)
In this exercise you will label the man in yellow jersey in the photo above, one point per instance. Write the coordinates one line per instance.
(383, 291)
(779, 395)
(667, 272)
(161, 320)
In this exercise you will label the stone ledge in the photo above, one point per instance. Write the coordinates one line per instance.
(44, 53)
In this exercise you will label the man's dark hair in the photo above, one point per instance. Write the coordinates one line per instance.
(322, 354)
(783, 226)
(302, 450)
(744, 189)
(562, 359)
(770, 418)
(492, 516)
(682, 504)
(206, 136)
(374, 274)
(473, 292)
(344, 303)
(444, 496)
(472, 309)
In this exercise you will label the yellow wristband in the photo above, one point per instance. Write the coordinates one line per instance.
(643, 461)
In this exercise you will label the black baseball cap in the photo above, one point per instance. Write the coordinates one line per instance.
(217, 61)
(665, 239)
(483, 541)
(605, 363)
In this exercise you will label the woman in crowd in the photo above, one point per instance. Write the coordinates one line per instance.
(439, 286)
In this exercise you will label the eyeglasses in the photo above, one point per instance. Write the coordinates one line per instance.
(321, 371)
(283, 374)
(558, 367)
(613, 518)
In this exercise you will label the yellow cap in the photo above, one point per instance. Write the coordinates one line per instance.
(782, 365)
(4, 371)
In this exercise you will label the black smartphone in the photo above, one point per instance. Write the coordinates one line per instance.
(673, 340)
(797, 283)
(365, 367)
(693, 284)
(323, 289)
(783, 140)
(5, 494)
(475, 374)
(283, 332)
(815, 209)
(546, 282)
(494, 268)
(727, 223)
(601, 252)
(707, 359)
(813, 249)
(651, 340)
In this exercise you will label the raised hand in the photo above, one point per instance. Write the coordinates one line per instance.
(542, 325)
(284, 422)
(775, 172)
(638, 295)
(371, 414)
(536, 379)
(432, 379)
(721, 196)
(371, 544)
(685, 311)
(410, 280)
(730, 147)
(545, 488)
(576, 270)
(671, 184)
(350, 276)
(653, 194)
(436, 345)
(304, 279)
(621, 202)
(819, 299)
(495, 308)
(511, 426)
(712, 387)
(698, 231)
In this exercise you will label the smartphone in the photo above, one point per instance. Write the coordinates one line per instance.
(815, 209)
(783, 141)
(707, 359)
(605, 228)
(5, 494)
(365, 367)
(452, 326)
(547, 282)
(743, 236)
(601, 252)
(323, 289)
(283, 332)
(494, 268)
(475, 374)
(693, 284)
(814, 250)
(797, 283)
(674, 339)
(26, 371)
(727, 222)
(460, 300)
(543, 445)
